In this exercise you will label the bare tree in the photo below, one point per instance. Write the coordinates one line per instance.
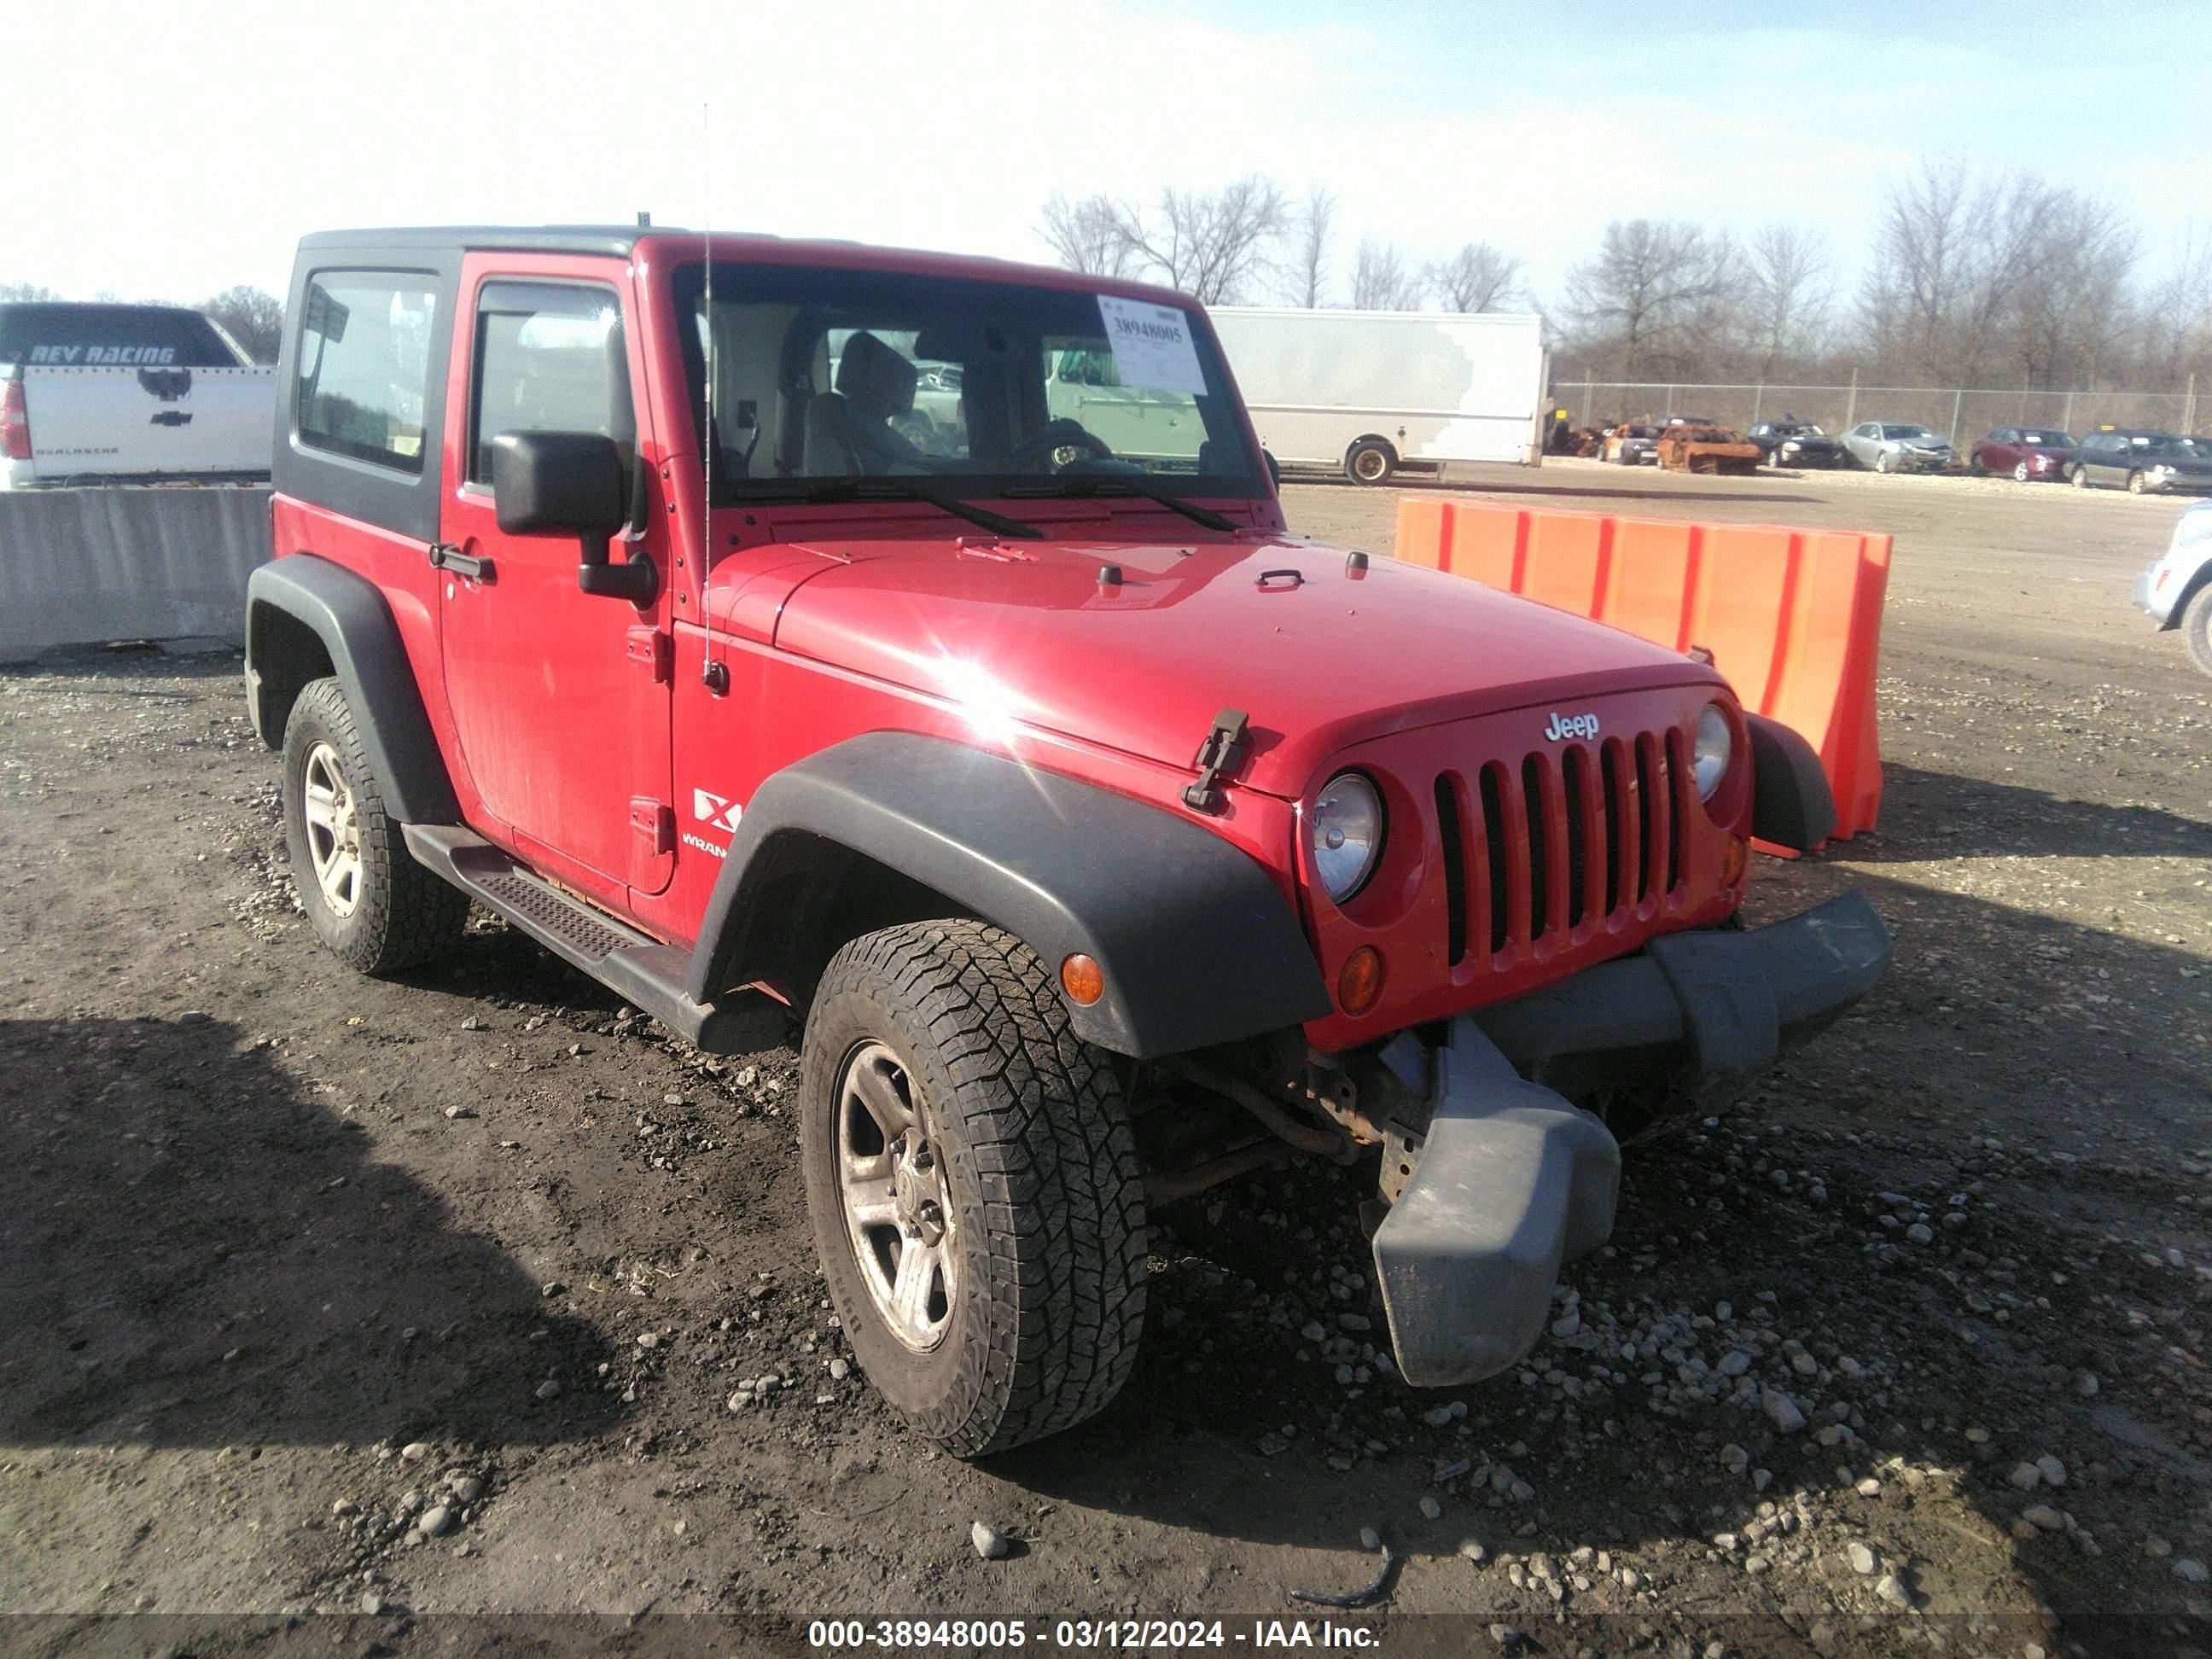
(23, 291)
(1790, 288)
(1477, 278)
(254, 317)
(1089, 235)
(1658, 298)
(1213, 245)
(1316, 230)
(1383, 279)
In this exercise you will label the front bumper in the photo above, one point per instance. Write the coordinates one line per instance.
(1508, 1179)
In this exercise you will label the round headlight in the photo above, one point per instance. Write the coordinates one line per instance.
(1710, 755)
(1347, 833)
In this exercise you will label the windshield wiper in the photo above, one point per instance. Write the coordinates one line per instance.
(901, 487)
(1078, 485)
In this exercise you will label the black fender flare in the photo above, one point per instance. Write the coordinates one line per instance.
(1197, 945)
(347, 614)
(1791, 804)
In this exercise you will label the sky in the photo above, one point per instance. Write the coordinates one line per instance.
(168, 151)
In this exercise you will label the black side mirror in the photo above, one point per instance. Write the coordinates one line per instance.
(1275, 469)
(570, 483)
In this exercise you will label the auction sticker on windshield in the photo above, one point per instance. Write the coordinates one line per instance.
(1151, 345)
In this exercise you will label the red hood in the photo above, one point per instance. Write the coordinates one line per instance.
(1027, 631)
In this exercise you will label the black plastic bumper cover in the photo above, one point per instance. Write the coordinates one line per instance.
(1514, 1180)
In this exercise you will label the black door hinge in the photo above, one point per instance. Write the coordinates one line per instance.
(1217, 755)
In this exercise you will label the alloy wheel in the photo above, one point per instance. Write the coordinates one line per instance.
(890, 1180)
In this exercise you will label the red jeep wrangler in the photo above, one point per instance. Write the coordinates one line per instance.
(916, 643)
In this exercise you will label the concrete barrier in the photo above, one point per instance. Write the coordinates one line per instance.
(81, 566)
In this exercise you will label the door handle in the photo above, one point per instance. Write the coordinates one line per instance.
(443, 555)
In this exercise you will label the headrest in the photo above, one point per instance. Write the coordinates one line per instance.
(868, 369)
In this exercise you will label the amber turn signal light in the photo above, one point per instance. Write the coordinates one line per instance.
(1082, 979)
(1732, 864)
(1359, 981)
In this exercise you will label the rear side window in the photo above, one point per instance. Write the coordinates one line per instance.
(364, 365)
(104, 336)
(549, 358)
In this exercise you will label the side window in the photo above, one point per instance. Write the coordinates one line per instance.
(364, 365)
(549, 358)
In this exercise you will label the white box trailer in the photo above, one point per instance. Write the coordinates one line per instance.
(1374, 392)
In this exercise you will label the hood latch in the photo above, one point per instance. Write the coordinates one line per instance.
(1219, 752)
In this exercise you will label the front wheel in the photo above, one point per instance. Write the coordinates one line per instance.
(973, 1184)
(2019, 472)
(1882, 462)
(2136, 484)
(2196, 628)
(363, 893)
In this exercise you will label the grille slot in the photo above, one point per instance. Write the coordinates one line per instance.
(1616, 823)
(1678, 774)
(1493, 855)
(1538, 810)
(1574, 768)
(1454, 838)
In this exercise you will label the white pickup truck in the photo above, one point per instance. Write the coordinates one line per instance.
(102, 393)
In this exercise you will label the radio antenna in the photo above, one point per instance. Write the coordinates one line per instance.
(713, 671)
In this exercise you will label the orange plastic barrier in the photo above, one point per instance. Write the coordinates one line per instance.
(1793, 617)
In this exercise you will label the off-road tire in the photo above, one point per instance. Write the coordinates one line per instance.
(1028, 1126)
(2196, 627)
(404, 914)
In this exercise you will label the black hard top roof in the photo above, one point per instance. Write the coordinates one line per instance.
(532, 239)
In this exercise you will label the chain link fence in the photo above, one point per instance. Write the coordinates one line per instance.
(1961, 414)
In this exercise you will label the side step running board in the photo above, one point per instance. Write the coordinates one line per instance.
(639, 968)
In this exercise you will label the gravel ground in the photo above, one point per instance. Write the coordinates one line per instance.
(471, 1292)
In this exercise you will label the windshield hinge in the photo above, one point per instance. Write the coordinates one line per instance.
(1215, 755)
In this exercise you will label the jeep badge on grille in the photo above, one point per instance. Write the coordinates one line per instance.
(1564, 726)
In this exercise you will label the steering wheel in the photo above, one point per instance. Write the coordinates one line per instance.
(1054, 436)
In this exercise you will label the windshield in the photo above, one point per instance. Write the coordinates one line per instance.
(975, 386)
(1906, 432)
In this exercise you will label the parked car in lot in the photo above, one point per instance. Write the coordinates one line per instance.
(2141, 462)
(2177, 590)
(2029, 453)
(1356, 860)
(1792, 442)
(1633, 444)
(1896, 447)
(90, 394)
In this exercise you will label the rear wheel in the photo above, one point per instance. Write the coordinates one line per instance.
(1975, 465)
(363, 893)
(2081, 477)
(973, 1184)
(1370, 461)
(2196, 628)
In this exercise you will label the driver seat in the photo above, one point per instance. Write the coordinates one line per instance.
(843, 437)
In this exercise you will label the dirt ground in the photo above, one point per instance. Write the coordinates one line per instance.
(289, 1258)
